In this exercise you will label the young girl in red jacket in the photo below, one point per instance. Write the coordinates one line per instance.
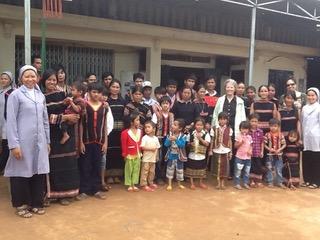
(130, 144)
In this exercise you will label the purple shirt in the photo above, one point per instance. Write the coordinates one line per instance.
(257, 140)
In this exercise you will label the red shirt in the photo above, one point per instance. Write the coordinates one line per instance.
(130, 144)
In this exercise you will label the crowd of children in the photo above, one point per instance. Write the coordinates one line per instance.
(187, 134)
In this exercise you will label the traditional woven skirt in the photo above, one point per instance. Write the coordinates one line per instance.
(257, 169)
(63, 180)
(220, 165)
(114, 162)
(291, 171)
(196, 168)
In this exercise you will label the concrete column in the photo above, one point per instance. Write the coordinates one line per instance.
(7, 48)
(153, 68)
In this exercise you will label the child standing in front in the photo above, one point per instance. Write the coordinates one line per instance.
(221, 148)
(196, 166)
(291, 159)
(175, 142)
(275, 143)
(257, 169)
(242, 164)
(150, 146)
(130, 145)
(163, 120)
(93, 143)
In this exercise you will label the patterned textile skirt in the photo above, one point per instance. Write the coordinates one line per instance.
(257, 169)
(291, 171)
(220, 165)
(114, 162)
(196, 168)
(63, 180)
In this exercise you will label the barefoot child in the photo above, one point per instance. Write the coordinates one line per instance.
(93, 143)
(220, 147)
(242, 164)
(257, 169)
(196, 166)
(76, 105)
(175, 142)
(275, 143)
(150, 146)
(130, 145)
(291, 159)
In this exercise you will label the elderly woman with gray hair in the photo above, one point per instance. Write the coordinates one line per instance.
(7, 85)
(234, 107)
(231, 105)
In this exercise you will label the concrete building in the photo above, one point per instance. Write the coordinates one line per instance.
(165, 39)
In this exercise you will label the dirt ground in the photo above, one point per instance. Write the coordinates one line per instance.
(180, 214)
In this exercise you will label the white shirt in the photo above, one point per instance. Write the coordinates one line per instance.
(155, 118)
(31, 93)
(110, 121)
(310, 121)
(152, 142)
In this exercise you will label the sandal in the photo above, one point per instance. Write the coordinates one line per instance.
(291, 187)
(105, 188)
(135, 189)
(130, 189)
(313, 186)
(81, 197)
(148, 189)
(193, 187)
(39, 211)
(305, 184)
(23, 212)
(46, 203)
(64, 202)
(169, 188)
(154, 186)
(100, 195)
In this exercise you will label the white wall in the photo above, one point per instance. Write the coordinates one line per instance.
(7, 47)
(265, 61)
(125, 64)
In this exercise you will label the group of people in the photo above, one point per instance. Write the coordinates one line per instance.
(62, 143)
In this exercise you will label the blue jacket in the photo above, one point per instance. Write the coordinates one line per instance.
(172, 146)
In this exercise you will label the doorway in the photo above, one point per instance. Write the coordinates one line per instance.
(180, 73)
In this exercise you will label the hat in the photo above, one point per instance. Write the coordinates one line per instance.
(316, 91)
(10, 75)
(24, 69)
(146, 84)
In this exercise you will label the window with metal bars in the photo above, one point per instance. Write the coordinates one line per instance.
(78, 61)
